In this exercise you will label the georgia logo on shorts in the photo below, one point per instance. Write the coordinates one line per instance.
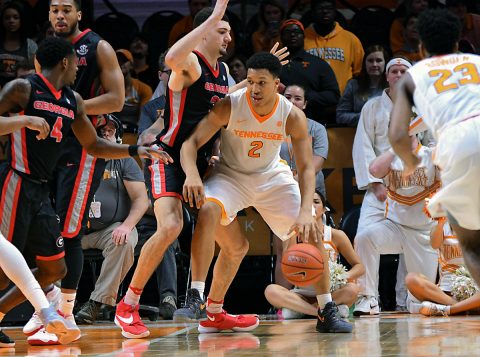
(60, 242)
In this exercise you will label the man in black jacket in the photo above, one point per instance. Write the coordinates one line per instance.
(310, 71)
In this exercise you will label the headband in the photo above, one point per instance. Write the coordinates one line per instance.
(397, 60)
(292, 22)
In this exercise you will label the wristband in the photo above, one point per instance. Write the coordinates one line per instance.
(133, 150)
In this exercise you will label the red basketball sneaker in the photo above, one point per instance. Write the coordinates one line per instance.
(128, 319)
(223, 321)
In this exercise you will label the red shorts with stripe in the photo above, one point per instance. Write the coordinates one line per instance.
(27, 218)
(74, 188)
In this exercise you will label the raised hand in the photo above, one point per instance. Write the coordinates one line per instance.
(281, 54)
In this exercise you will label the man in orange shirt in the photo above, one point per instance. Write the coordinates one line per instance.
(325, 38)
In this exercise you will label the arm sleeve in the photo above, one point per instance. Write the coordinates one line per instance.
(345, 113)
(363, 152)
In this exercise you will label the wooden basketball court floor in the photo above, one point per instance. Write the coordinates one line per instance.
(388, 335)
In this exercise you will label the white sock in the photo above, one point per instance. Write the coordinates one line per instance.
(199, 286)
(323, 300)
(17, 270)
(131, 298)
(67, 301)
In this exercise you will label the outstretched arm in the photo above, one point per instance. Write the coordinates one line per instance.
(96, 146)
(205, 130)
(345, 248)
(180, 58)
(399, 123)
(13, 97)
(111, 80)
(297, 128)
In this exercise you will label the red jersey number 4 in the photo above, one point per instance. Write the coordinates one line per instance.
(57, 130)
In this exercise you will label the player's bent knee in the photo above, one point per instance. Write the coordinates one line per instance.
(236, 250)
(170, 230)
(412, 281)
(272, 294)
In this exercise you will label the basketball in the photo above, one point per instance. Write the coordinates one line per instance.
(302, 264)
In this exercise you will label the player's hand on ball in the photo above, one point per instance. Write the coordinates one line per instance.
(306, 226)
(154, 154)
(193, 192)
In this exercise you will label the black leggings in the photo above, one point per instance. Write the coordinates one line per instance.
(74, 262)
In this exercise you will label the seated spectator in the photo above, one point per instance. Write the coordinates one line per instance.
(397, 29)
(296, 94)
(271, 15)
(15, 47)
(143, 71)
(237, 67)
(470, 38)
(433, 299)
(411, 45)
(137, 93)
(311, 72)
(325, 38)
(368, 84)
(153, 109)
(119, 203)
(301, 301)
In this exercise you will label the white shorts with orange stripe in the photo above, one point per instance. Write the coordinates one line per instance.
(274, 194)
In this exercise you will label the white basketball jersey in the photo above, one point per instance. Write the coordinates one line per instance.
(328, 244)
(447, 89)
(251, 143)
(451, 256)
(406, 196)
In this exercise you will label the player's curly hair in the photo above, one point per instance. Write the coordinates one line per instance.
(439, 31)
(52, 50)
(78, 4)
(265, 60)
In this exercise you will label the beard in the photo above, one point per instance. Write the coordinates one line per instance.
(68, 33)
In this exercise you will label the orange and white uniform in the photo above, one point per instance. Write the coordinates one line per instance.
(250, 171)
(447, 92)
(450, 258)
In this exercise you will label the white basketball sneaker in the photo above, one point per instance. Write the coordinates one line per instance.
(35, 323)
(431, 309)
(43, 338)
(366, 305)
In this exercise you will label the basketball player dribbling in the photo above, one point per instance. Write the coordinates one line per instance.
(445, 88)
(254, 122)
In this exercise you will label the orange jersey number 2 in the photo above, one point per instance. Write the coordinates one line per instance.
(256, 145)
(469, 73)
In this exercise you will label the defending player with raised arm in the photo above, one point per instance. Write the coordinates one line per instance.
(445, 88)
